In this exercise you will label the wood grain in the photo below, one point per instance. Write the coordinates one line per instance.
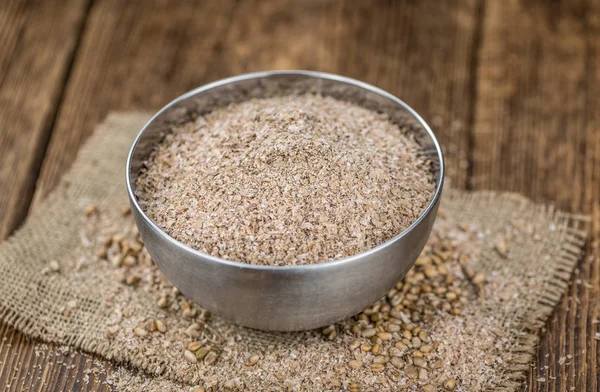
(134, 55)
(37, 41)
(536, 132)
(37, 44)
(510, 87)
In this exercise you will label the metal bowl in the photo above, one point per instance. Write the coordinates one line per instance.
(273, 297)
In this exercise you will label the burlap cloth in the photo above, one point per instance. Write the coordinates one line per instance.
(81, 303)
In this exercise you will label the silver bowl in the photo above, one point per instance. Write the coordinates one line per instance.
(295, 297)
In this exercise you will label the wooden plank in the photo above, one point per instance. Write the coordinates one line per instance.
(134, 55)
(37, 44)
(37, 40)
(536, 132)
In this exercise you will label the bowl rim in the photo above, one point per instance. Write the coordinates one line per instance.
(289, 268)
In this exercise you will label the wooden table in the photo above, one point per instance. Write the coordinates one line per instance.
(511, 87)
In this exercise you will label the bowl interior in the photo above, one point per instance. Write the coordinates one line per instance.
(280, 83)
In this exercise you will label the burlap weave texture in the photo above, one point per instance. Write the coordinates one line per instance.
(77, 309)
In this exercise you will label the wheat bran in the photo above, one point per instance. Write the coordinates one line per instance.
(285, 181)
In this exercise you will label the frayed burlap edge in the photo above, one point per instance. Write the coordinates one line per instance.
(35, 304)
(573, 239)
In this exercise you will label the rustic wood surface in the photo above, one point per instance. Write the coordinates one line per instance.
(511, 87)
